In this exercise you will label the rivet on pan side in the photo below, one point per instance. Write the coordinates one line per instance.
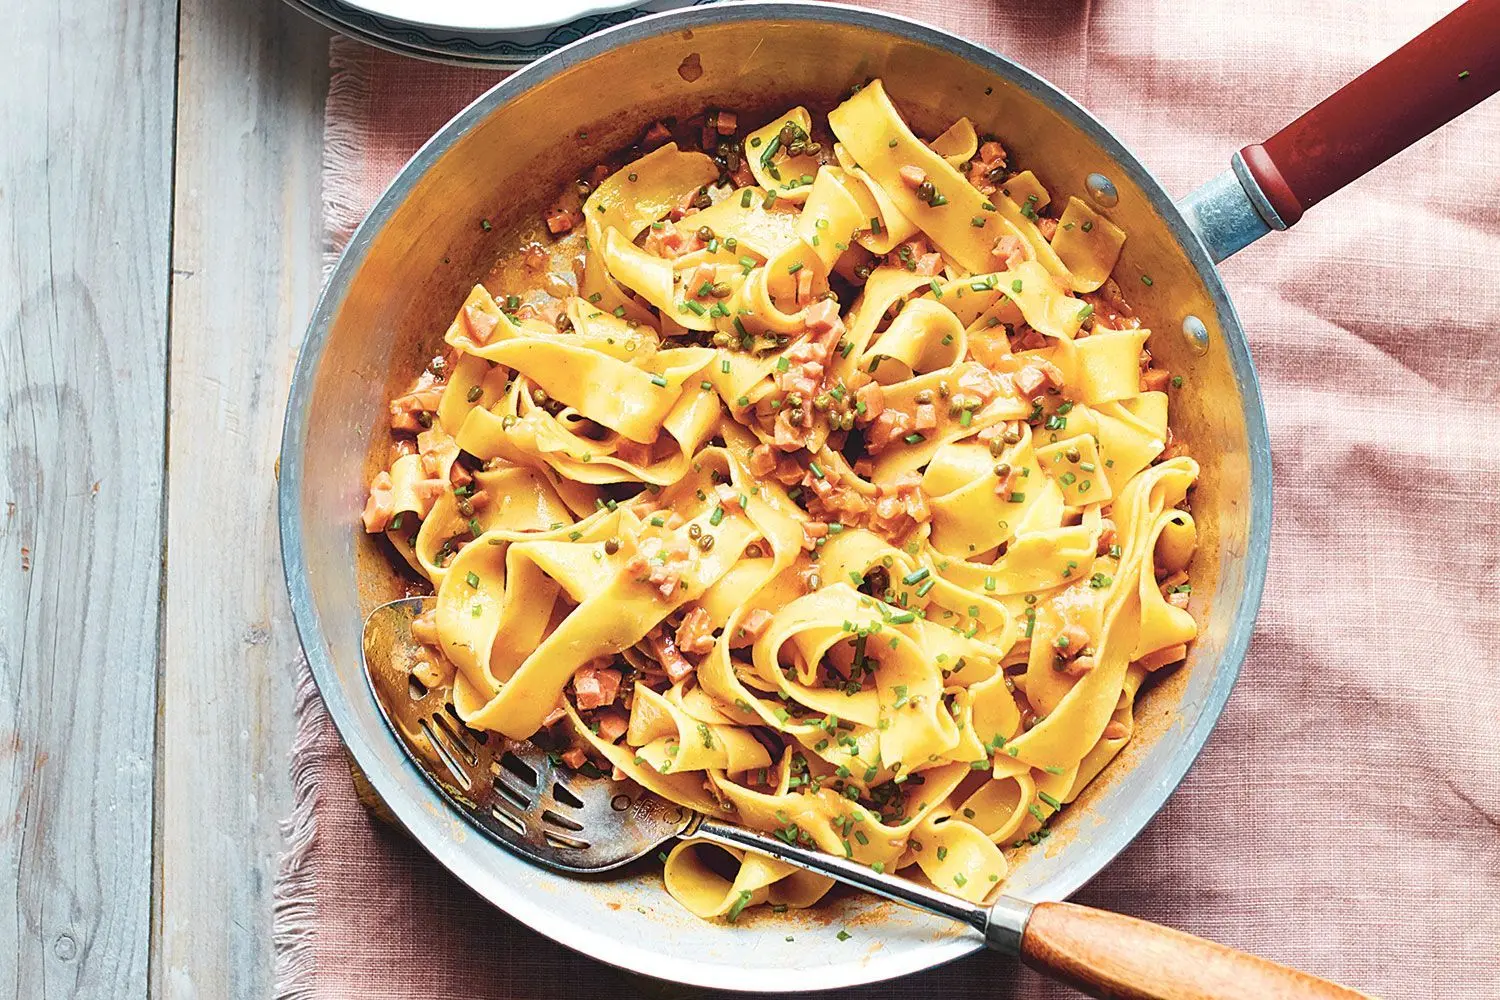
(1196, 334)
(1102, 190)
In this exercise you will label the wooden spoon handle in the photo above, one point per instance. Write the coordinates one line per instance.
(1115, 957)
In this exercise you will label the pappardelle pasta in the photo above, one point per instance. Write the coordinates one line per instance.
(832, 492)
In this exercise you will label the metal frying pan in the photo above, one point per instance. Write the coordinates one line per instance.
(501, 159)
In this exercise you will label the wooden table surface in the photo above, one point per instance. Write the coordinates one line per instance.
(159, 187)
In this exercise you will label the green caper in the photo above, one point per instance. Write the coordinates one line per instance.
(1002, 471)
(1072, 455)
(925, 396)
(706, 542)
(694, 530)
(705, 234)
(611, 545)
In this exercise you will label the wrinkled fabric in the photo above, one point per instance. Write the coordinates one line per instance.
(1345, 816)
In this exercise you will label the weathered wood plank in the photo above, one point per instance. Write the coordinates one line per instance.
(86, 104)
(247, 245)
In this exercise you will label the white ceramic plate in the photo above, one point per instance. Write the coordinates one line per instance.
(504, 48)
(489, 15)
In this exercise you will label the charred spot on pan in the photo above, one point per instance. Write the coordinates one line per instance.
(691, 68)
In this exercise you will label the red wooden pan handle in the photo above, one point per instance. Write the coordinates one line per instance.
(1426, 83)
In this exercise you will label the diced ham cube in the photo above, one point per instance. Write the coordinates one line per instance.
(750, 628)
(929, 264)
(873, 396)
(664, 649)
(926, 418)
(823, 316)
(575, 758)
(379, 509)
(804, 285)
(612, 725)
(595, 687)
(559, 221)
(913, 177)
(657, 135)
(480, 324)
(696, 633)
(888, 427)
(703, 275)
(1038, 376)
(1010, 250)
(1047, 227)
(993, 154)
(762, 460)
(726, 122)
(1155, 380)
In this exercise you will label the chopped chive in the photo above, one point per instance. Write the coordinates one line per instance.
(658, 380)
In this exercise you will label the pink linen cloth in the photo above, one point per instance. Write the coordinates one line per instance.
(1345, 817)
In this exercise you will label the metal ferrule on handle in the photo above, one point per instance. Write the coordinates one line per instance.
(1003, 924)
(1437, 76)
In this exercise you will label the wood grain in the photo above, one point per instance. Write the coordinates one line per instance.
(1122, 958)
(246, 272)
(86, 97)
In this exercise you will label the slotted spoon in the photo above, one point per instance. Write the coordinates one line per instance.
(515, 793)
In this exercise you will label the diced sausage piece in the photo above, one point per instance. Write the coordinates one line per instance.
(762, 460)
(612, 725)
(1155, 380)
(1010, 249)
(823, 316)
(1115, 730)
(575, 758)
(913, 177)
(696, 633)
(726, 122)
(595, 687)
(926, 419)
(380, 508)
(559, 221)
(873, 398)
(1038, 376)
(480, 324)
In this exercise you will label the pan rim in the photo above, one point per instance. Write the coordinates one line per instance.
(411, 810)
